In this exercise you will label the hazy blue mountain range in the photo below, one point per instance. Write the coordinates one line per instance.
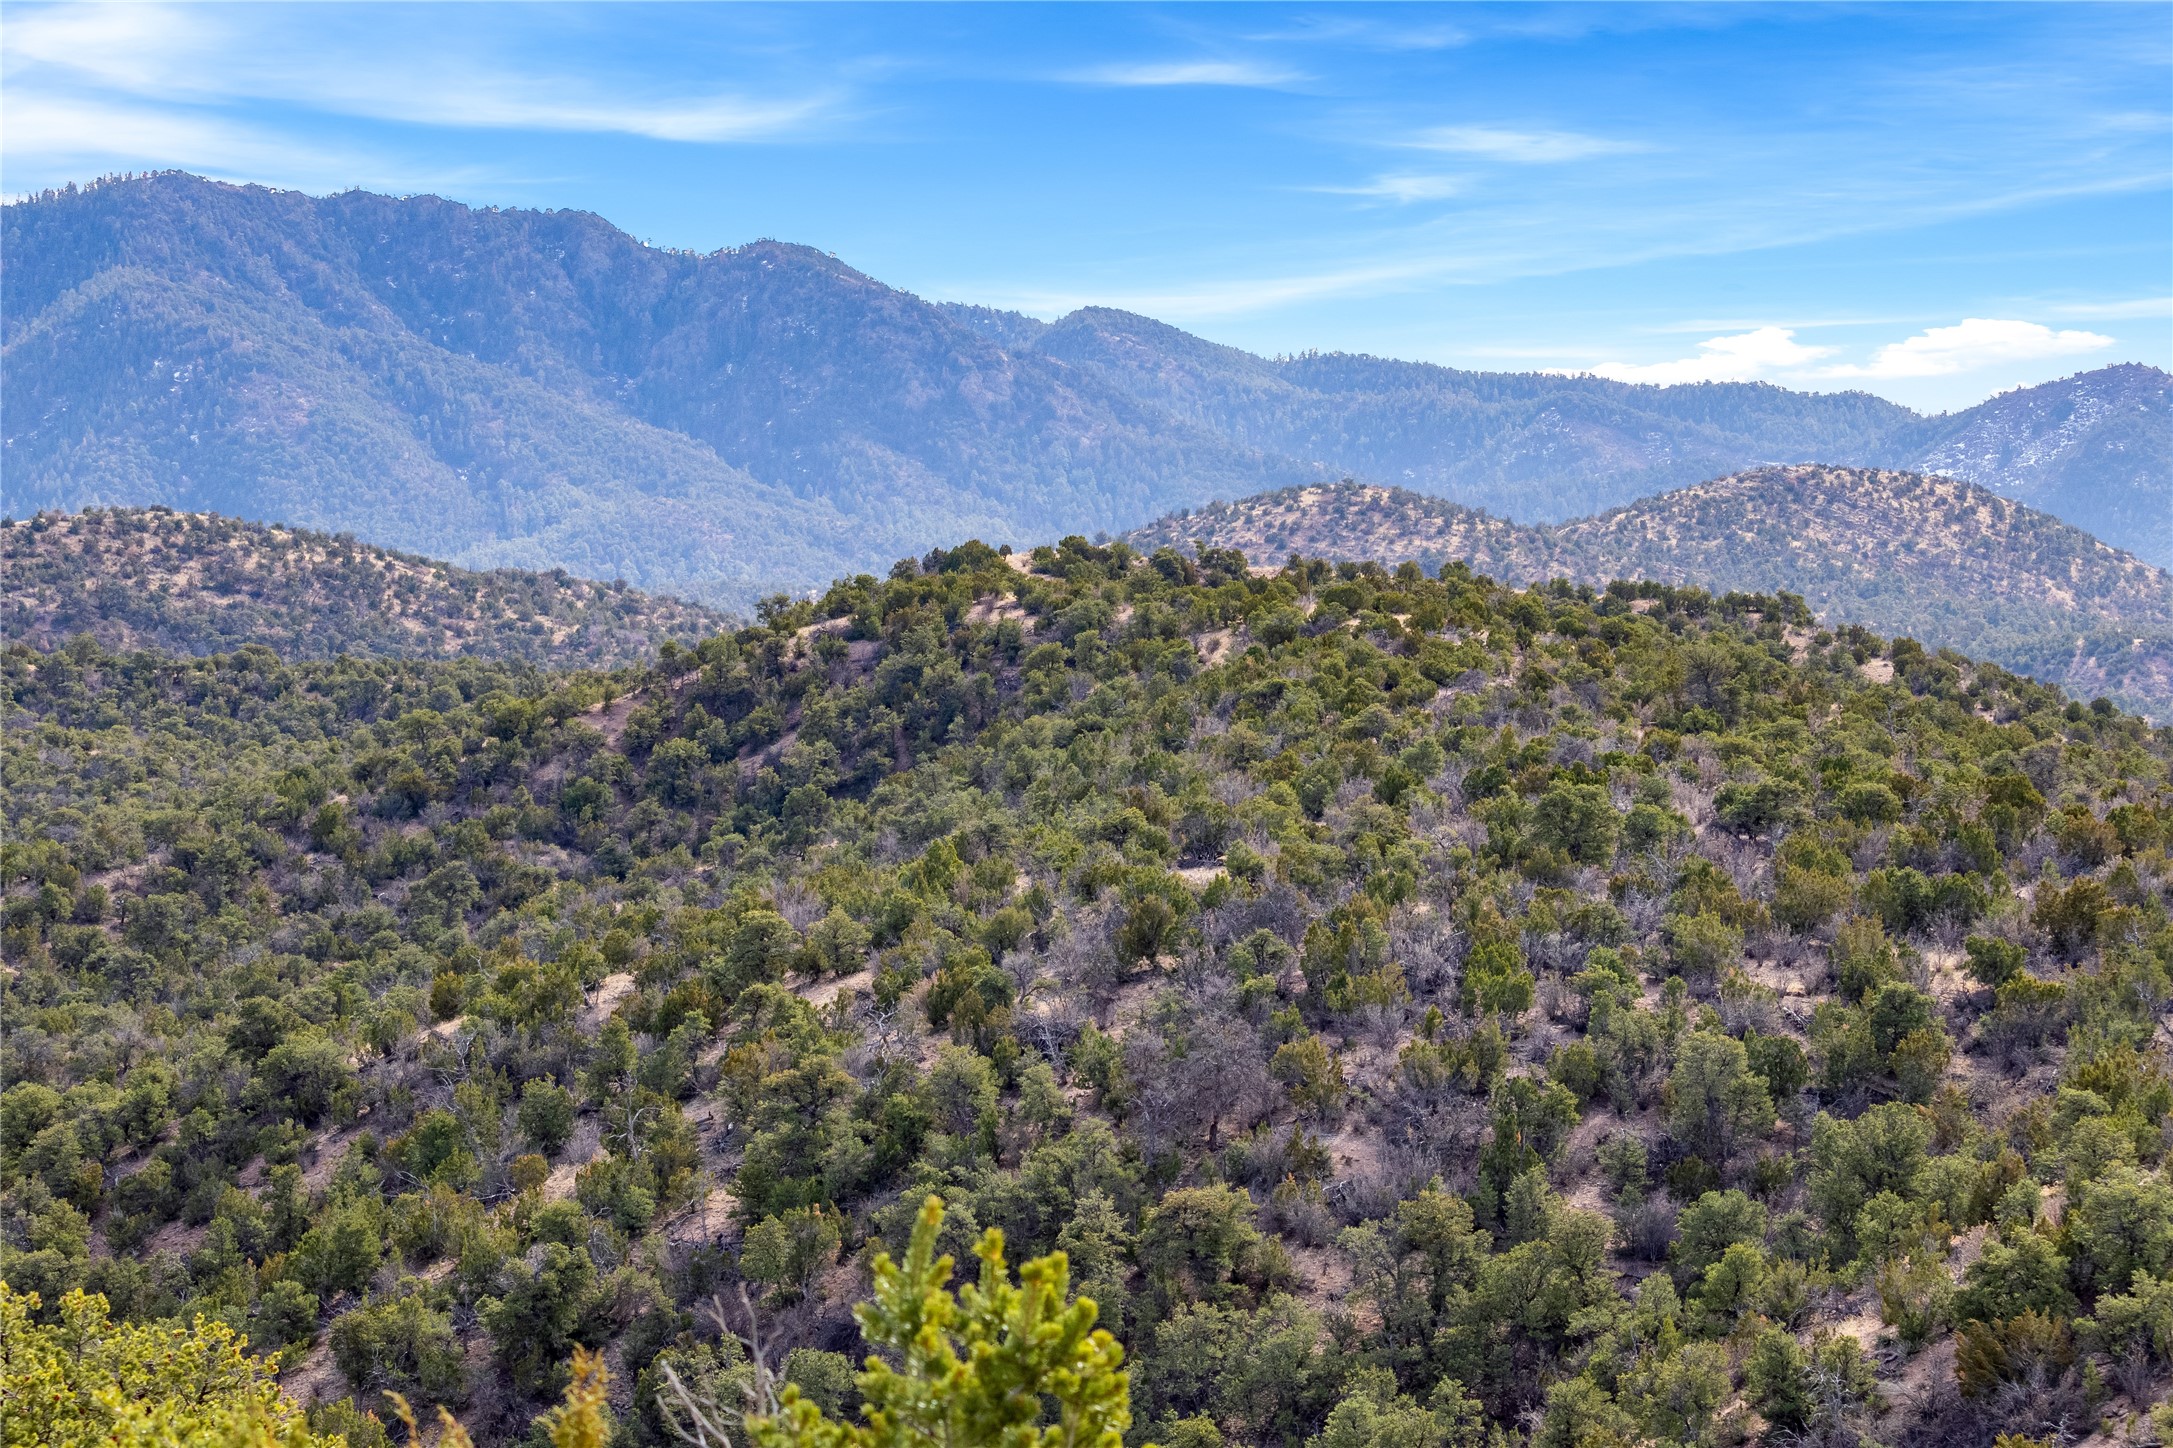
(1528, 446)
(2094, 450)
(538, 389)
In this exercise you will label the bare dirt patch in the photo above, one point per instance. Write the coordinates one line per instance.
(822, 992)
(1324, 1277)
(178, 1238)
(995, 610)
(707, 1220)
(314, 1379)
(1355, 1149)
(1129, 1004)
(331, 1151)
(610, 719)
(559, 1185)
(610, 992)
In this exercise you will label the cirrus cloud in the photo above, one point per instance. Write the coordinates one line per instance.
(1403, 187)
(1525, 148)
(1969, 344)
(189, 60)
(1188, 72)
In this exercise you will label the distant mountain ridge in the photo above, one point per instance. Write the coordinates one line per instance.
(537, 389)
(1530, 446)
(1950, 563)
(2095, 450)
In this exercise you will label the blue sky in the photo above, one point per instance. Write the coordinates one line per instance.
(1930, 203)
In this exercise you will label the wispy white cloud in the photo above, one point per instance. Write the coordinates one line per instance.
(1800, 324)
(1484, 245)
(154, 54)
(81, 136)
(132, 48)
(1207, 300)
(1772, 352)
(525, 106)
(2147, 122)
(2160, 308)
(1189, 72)
(1737, 358)
(1525, 148)
(1363, 33)
(95, 134)
(1403, 186)
(1968, 345)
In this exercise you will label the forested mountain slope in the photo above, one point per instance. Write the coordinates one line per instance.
(1422, 1011)
(181, 583)
(537, 389)
(1942, 561)
(2094, 450)
(211, 348)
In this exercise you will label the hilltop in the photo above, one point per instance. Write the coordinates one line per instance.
(1422, 1011)
(193, 584)
(1944, 561)
(538, 389)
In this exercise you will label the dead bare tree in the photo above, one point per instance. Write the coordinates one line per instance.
(696, 1416)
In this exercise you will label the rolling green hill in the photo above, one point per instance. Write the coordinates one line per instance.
(1421, 1011)
(1954, 565)
(191, 584)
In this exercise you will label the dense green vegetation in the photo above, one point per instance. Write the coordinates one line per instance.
(184, 583)
(1945, 562)
(74, 1378)
(1423, 1013)
(538, 390)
